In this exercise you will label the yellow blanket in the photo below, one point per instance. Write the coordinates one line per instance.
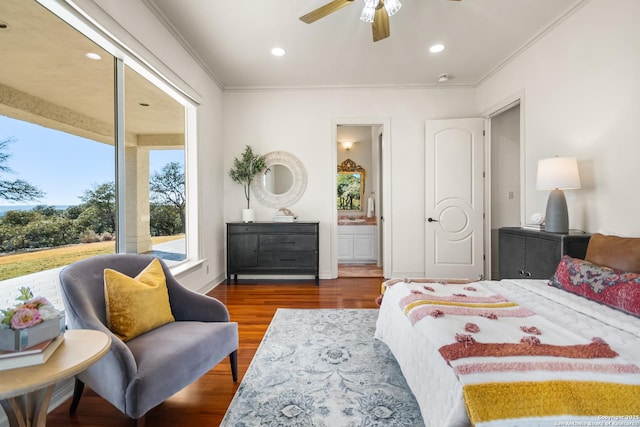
(517, 368)
(507, 401)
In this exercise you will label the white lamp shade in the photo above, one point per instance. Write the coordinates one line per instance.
(558, 173)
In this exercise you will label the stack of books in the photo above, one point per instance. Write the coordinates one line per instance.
(34, 355)
(284, 218)
(539, 227)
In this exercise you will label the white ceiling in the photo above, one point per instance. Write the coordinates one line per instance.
(233, 39)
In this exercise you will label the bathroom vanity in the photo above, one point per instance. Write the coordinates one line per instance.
(357, 243)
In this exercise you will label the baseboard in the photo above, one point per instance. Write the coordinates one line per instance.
(61, 393)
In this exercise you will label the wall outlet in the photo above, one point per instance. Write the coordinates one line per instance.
(510, 195)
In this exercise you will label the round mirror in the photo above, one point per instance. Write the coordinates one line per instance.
(283, 183)
(279, 180)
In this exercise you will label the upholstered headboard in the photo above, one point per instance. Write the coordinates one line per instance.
(619, 253)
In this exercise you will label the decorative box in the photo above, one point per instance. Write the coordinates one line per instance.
(284, 218)
(19, 339)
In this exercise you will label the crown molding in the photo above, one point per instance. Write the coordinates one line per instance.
(153, 7)
(428, 86)
(568, 13)
(509, 59)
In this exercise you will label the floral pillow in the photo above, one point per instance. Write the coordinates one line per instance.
(614, 288)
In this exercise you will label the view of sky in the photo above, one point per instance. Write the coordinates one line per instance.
(63, 165)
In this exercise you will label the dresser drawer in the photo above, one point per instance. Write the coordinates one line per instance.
(287, 242)
(292, 260)
(279, 228)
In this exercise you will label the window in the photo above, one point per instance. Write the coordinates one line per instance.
(85, 189)
(155, 204)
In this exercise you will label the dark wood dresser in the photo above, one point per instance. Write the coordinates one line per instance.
(532, 254)
(272, 248)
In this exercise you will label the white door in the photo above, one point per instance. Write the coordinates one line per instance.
(454, 187)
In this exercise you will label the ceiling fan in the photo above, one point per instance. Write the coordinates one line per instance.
(375, 11)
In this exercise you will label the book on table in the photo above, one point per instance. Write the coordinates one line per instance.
(34, 355)
(539, 227)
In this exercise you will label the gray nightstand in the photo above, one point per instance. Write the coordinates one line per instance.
(532, 254)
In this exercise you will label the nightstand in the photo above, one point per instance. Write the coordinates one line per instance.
(533, 254)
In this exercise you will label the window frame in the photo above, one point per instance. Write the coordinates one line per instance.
(123, 56)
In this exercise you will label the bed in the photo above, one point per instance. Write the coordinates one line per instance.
(426, 326)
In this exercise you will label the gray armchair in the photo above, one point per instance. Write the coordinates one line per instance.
(141, 373)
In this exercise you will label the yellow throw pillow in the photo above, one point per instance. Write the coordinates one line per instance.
(136, 305)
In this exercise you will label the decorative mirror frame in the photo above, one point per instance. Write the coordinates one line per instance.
(298, 186)
(349, 166)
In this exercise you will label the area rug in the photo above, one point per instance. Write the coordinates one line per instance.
(323, 368)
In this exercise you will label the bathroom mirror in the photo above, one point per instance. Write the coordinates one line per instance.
(350, 186)
(283, 183)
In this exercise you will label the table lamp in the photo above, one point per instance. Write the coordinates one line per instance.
(557, 174)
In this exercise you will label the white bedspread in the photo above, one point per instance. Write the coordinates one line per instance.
(433, 382)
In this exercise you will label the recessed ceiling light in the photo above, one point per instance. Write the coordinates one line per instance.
(278, 51)
(436, 48)
(94, 56)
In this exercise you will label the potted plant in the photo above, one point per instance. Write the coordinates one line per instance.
(243, 171)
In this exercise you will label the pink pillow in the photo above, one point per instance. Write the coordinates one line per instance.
(614, 288)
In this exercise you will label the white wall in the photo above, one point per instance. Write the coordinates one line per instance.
(135, 25)
(581, 85)
(299, 121)
(505, 169)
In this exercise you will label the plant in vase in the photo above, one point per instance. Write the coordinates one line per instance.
(243, 171)
(31, 321)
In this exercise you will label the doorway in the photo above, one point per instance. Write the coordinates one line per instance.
(360, 240)
(505, 176)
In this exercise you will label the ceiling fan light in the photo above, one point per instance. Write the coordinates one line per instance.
(392, 6)
(368, 13)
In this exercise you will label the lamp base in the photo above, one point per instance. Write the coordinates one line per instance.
(557, 217)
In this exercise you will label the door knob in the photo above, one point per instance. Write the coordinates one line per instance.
(432, 220)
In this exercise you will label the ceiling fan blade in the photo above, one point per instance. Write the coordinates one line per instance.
(323, 11)
(380, 25)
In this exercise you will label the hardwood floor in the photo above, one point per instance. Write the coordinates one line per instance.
(359, 270)
(205, 402)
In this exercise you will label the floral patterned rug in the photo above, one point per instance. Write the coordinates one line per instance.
(323, 368)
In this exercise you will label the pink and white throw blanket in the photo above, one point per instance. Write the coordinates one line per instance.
(516, 367)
